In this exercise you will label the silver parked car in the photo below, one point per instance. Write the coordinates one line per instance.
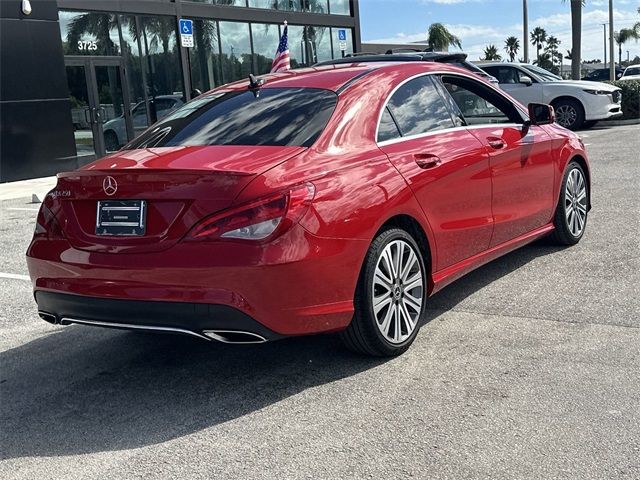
(115, 130)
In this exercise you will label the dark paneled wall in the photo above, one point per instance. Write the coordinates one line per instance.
(36, 131)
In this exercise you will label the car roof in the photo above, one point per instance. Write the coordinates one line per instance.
(335, 77)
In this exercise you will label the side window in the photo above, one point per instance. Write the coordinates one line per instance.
(418, 107)
(478, 104)
(387, 130)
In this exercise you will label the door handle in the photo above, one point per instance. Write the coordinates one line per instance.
(496, 143)
(426, 160)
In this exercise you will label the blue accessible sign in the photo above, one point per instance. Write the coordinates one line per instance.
(186, 33)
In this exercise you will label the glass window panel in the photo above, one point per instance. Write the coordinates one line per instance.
(339, 7)
(232, 3)
(162, 57)
(387, 129)
(262, 3)
(278, 117)
(265, 42)
(291, 5)
(236, 51)
(205, 56)
(133, 62)
(337, 53)
(479, 104)
(318, 43)
(86, 33)
(315, 6)
(418, 107)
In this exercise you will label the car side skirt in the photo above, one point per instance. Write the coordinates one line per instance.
(450, 274)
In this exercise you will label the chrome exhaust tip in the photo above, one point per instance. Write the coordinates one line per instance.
(48, 317)
(237, 337)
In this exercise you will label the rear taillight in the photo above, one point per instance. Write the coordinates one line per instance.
(47, 226)
(257, 220)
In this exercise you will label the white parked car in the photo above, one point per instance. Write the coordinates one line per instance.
(578, 104)
(632, 72)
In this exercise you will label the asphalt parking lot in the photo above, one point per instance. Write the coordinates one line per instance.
(528, 368)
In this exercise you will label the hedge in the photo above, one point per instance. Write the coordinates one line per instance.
(630, 98)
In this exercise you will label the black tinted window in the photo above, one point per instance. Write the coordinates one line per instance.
(418, 107)
(387, 130)
(277, 116)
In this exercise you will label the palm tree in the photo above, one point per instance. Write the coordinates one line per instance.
(622, 37)
(439, 38)
(538, 37)
(491, 53)
(552, 48)
(576, 37)
(511, 46)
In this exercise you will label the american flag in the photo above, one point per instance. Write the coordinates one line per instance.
(281, 60)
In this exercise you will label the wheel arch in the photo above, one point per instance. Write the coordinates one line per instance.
(568, 97)
(412, 226)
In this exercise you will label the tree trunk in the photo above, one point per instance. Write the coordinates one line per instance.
(576, 38)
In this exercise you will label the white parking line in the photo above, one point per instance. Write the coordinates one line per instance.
(15, 276)
(24, 209)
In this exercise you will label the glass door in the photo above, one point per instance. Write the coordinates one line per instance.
(100, 108)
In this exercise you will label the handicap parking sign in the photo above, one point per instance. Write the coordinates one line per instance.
(186, 33)
(342, 35)
(186, 27)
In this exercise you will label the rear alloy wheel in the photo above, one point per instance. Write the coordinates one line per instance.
(570, 220)
(569, 113)
(390, 297)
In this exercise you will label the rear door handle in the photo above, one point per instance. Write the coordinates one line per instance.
(426, 160)
(495, 142)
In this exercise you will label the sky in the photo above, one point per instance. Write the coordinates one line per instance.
(481, 22)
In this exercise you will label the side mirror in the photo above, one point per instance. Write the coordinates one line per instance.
(541, 114)
(526, 81)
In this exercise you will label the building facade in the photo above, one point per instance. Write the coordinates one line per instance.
(79, 78)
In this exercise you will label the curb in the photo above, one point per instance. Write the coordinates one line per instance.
(615, 123)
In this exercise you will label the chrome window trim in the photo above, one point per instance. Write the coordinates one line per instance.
(517, 106)
(448, 130)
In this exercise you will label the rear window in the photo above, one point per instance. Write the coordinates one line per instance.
(275, 117)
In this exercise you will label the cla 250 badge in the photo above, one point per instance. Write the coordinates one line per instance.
(60, 193)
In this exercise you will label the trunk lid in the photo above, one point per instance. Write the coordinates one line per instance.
(181, 186)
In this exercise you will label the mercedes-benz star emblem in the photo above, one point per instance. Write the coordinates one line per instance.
(110, 186)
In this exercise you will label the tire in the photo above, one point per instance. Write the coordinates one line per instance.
(374, 331)
(589, 124)
(570, 220)
(569, 113)
(111, 143)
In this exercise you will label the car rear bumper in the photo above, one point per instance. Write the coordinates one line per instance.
(299, 284)
(205, 321)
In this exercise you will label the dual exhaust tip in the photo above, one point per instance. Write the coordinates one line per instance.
(238, 337)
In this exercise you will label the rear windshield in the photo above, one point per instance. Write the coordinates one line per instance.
(271, 116)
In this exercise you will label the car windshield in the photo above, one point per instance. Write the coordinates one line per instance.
(544, 75)
(269, 116)
(632, 71)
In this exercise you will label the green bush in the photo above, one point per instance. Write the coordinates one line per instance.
(630, 98)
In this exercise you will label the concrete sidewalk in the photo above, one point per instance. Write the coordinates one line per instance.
(35, 189)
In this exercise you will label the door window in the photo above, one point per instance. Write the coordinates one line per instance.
(418, 107)
(478, 104)
(506, 74)
(387, 130)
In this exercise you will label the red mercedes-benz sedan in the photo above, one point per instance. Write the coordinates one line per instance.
(328, 199)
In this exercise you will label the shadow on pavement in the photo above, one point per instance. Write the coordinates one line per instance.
(82, 390)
